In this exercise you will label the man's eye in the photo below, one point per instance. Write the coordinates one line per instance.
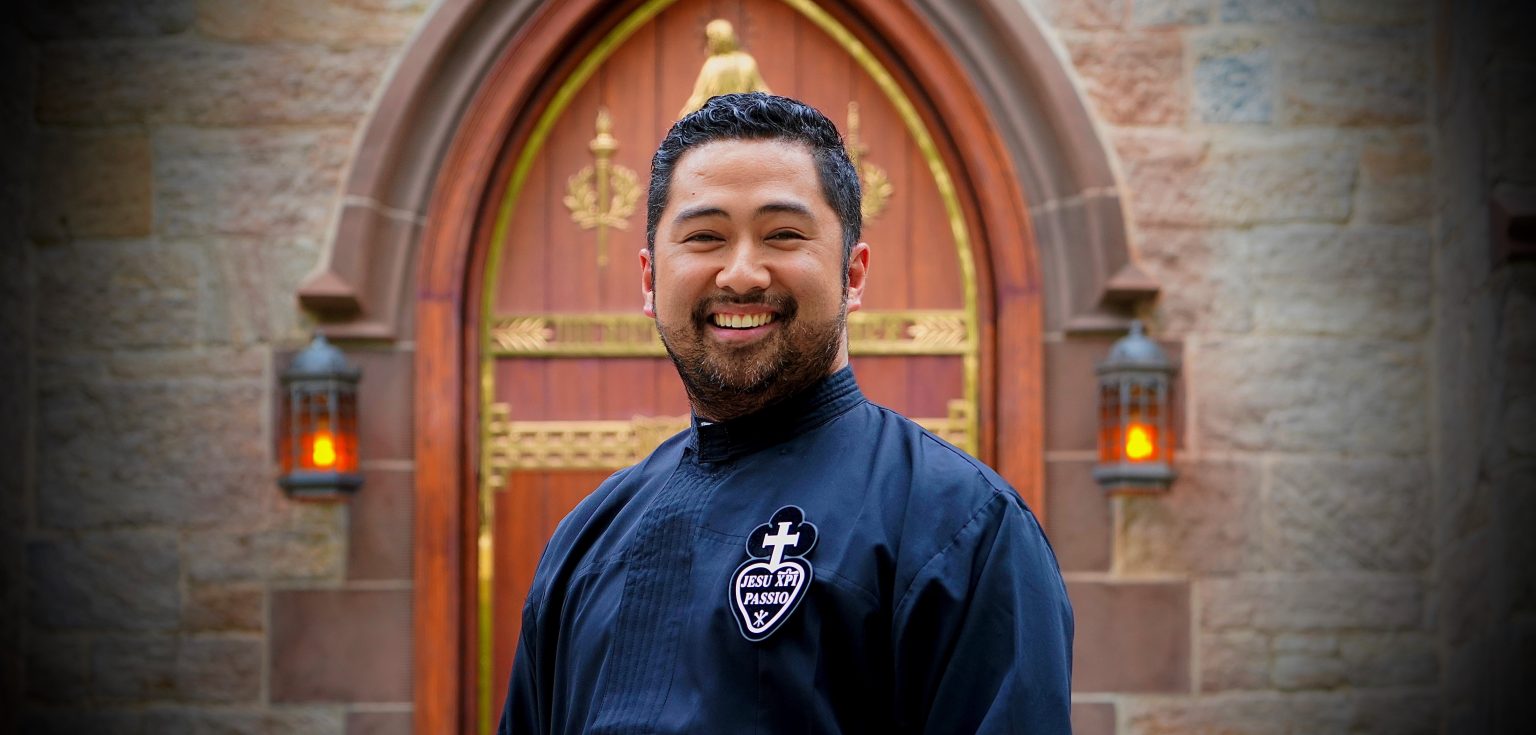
(786, 235)
(702, 237)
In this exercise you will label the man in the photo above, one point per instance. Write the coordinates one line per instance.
(800, 560)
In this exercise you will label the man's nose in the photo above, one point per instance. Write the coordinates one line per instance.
(745, 269)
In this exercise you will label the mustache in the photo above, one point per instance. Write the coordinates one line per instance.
(784, 304)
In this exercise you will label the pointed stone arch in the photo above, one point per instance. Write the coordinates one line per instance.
(363, 287)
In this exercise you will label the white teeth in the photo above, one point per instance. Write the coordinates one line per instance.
(742, 321)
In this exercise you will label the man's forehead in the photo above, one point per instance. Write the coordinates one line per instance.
(774, 168)
(765, 152)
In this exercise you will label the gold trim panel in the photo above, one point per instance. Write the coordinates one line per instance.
(612, 445)
(915, 332)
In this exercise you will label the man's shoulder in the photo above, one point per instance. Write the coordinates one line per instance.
(935, 462)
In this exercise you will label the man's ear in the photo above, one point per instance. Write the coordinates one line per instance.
(858, 275)
(647, 283)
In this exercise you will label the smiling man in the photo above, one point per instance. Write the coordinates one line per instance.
(800, 560)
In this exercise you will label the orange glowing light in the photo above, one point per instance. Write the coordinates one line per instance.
(323, 451)
(1138, 442)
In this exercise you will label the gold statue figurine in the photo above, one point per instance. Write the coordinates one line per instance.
(728, 68)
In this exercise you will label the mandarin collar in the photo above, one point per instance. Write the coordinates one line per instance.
(826, 399)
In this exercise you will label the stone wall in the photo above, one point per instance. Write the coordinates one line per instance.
(1340, 554)
(1277, 160)
(187, 156)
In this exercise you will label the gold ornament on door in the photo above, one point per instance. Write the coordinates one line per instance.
(604, 194)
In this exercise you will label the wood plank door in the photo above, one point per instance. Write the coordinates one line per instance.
(573, 380)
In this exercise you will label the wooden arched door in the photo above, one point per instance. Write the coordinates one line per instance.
(572, 380)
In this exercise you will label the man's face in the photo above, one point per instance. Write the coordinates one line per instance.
(747, 286)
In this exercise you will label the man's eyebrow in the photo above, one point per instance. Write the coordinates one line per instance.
(784, 208)
(705, 210)
(697, 212)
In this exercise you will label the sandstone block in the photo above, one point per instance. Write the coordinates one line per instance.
(134, 668)
(181, 454)
(1399, 659)
(57, 668)
(1204, 279)
(184, 669)
(248, 182)
(1268, 11)
(1312, 603)
(1207, 524)
(1234, 79)
(1376, 12)
(222, 608)
(195, 81)
(1348, 515)
(1309, 394)
(1306, 661)
(341, 646)
(110, 581)
(1264, 713)
(379, 723)
(309, 543)
(1299, 671)
(114, 295)
(105, 18)
(92, 183)
(252, 287)
(1354, 77)
(1398, 712)
(1395, 178)
(1153, 13)
(1151, 618)
(218, 670)
(1080, 517)
(380, 527)
(1233, 660)
(1082, 14)
(245, 721)
(1132, 79)
(1238, 178)
(302, 20)
(208, 362)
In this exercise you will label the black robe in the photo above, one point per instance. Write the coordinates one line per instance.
(931, 601)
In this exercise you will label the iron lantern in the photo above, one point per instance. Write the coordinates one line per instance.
(317, 438)
(1136, 433)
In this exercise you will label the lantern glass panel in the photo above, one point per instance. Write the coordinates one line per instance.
(1109, 421)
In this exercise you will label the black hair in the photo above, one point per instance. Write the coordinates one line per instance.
(759, 116)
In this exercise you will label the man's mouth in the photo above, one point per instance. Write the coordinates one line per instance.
(742, 321)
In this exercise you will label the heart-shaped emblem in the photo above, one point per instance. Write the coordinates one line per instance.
(768, 587)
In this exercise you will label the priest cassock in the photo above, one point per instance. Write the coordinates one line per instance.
(800, 560)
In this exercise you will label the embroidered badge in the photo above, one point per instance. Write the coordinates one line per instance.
(769, 586)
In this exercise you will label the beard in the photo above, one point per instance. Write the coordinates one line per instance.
(725, 381)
